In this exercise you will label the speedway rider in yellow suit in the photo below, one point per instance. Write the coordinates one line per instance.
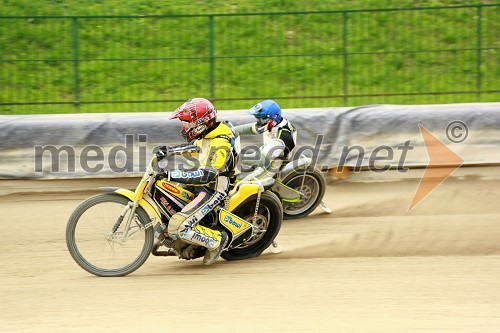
(217, 160)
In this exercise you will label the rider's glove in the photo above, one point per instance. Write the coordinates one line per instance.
(162, 174)
(163, 152)
(260, 128)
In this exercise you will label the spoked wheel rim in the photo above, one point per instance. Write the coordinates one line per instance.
(98, 240)
(309, 188)
(260, 224)
(108, 248)
(268, 221)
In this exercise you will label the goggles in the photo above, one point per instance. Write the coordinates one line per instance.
(187, 125)
(263, 121)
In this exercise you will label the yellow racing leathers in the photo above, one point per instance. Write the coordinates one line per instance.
(217, 162)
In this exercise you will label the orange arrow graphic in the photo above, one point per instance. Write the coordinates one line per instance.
(442, 163)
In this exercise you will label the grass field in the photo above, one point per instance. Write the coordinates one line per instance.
(152, 63)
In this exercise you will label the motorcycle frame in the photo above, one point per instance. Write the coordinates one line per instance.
(142, 197)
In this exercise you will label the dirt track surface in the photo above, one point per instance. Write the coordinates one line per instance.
(371, 266)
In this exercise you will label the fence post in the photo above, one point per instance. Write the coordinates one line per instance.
(76, 63)
(344, 45)
(212, 59)
(479, 52)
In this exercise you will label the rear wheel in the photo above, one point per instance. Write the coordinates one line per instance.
(96, 238)
(311, 184)
(268, 220)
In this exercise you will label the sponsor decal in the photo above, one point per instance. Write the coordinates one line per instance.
(170, 188)
(209, 206)
(167, 206)
(209, 242)
(186, 195)
(205, 210)
(199, 129)
(203, 120)
(234, 223)
(230, 220)
(175, 174)
(217, 200)
(186, 174)
(192, 221)
(184, 232)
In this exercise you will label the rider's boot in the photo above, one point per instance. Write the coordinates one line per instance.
(212, 255)
(181, 226)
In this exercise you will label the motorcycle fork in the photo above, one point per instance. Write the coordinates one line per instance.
(144, 186)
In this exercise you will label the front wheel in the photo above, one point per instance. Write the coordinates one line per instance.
(311, 184)
(267, 220)
(98, 241)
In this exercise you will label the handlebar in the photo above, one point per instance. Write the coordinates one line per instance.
(163, 152)
(184, 148)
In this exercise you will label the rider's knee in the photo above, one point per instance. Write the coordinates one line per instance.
(175, 224)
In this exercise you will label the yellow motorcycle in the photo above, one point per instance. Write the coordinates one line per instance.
(113, 234)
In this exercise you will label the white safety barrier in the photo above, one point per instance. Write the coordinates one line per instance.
(120, 144)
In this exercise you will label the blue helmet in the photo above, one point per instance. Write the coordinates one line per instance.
(267, 110)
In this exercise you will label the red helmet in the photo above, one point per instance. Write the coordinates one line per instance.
(197, 116)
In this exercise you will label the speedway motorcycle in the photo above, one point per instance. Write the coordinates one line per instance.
(113, 234)
(300, 186)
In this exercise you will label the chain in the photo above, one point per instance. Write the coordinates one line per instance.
(254, 220)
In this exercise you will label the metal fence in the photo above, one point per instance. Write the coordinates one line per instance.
(54, 64)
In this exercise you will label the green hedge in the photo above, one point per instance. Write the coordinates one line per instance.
(62, 57)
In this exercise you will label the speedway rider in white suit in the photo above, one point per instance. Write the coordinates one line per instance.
(280, 137)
